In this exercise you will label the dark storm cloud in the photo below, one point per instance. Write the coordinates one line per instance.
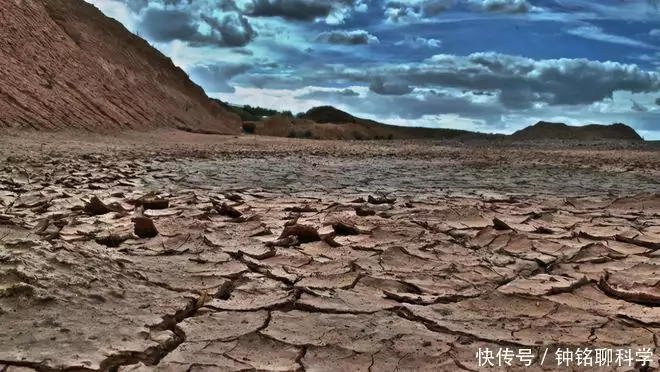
(167, 20)
(410, 107)
(216, 77)
(393, 88)
(518, 82)
(398, 10)
(229, 29)
(324, 95)
(245, 52)
(234, 29)
(553, 81)
(296, 10)
(165, 25)
(346, 37)
(517, 99)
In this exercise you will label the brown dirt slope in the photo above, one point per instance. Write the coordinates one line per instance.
(65, 65)
(546, 130)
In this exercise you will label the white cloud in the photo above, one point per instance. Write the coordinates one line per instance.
(419, 42)
(503, 6)
(598, 34)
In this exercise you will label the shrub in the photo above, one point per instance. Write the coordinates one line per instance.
(308, 134)
(293, 134)
(390, 136)
(249, 127)
(357, 135)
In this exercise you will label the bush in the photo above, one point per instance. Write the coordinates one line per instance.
(357, 135)
(249, 127)
(308, 134)
(293, 134)
(390, 136)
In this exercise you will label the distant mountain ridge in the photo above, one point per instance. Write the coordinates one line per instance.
(328, 122)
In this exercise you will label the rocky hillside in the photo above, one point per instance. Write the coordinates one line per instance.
(65, 65)
(560, 131)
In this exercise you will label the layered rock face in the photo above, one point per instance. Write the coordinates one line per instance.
(65, 65)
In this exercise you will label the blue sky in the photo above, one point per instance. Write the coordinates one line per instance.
(486, 65)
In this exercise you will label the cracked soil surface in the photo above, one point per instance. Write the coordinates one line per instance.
(254, 254)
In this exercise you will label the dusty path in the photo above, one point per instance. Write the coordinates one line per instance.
(267, 257)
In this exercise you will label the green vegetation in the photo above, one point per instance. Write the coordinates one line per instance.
(259, 111)
(249, 127)
(251, 113)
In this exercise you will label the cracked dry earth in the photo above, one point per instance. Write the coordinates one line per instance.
(116, 260)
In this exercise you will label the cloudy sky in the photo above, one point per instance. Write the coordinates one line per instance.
(486, 65)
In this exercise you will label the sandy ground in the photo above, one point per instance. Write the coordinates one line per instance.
(180, 252)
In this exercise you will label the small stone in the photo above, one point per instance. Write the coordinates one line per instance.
(96, 207)
(304, 209)
(345, 228)
(224, 209)
(380, 200)
(364, 211)
(155, 203)
(144, 227)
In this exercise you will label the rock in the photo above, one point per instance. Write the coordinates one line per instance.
(345, 228)
(144, 227)
(501, 225)
(363, 211)
(304, 209)
(96, 207)
(304, 233)
(284, 242)
(224, 209)
(112, 239)
(380, 200)
(155, 203)
(234, 197)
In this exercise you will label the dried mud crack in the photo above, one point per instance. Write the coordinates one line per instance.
(235, 270)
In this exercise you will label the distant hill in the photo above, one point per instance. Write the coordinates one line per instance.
(329, 114)
(328, 122)
(560, 131)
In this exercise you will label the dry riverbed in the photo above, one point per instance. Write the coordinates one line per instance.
(181, 252)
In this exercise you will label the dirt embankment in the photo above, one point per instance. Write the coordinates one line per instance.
(65, 65)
